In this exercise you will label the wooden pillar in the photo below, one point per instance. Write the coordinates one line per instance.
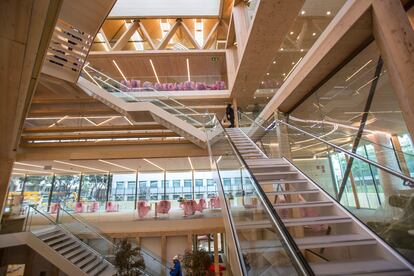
(354, 187)
(189, 241)
(241, 26)
(395, 38)
(236, 114)
(216, 255)
(400, 155)
(163, 252)
(25, 36)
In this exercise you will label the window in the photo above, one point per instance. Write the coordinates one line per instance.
(199, 182)
(130, 198)
(119, 184)
(188, 196)
(176, 183)
(237, 181)
(198, 196)
(227, 181)
(247, 181)
(176, 197)
(188, 183)
(131, 185)
(153, 197)
(154, 184)
(142, 185)
(164, 183)
(165, 197)
(210, 182)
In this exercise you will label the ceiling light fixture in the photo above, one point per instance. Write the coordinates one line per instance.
(328, 13)
(146, 160)
(291, 33)
(128, 120)
(313, 34)
(302, 12)
(188, 70)
(25, 170)
(89, 121)
(116, 165)
(191, 164)
(293, 68)
(58, 121)
(89, 75)
(155, 72)
(80, 166)
(108, 120)
(357, 71)
(30, 165)
(274, 62)
(119, 69)
(63, 170)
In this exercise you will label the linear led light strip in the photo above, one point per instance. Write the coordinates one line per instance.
(60, 120)
(68, 118)
(188, 70)
(89, 75)
(25, 170)
(293, 68)
(359, 70)
(108, 120)
(191, 164)
(155, 72)
(128, 120)
(80, 166)
(146, 160)
(116, 165)
(119, 69)
(42, 167)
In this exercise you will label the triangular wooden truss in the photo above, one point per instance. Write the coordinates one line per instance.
(178, 25)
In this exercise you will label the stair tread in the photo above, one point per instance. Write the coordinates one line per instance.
(295, 192)
(357, 266)
(305, 204)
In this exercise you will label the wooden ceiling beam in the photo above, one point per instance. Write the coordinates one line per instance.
(78, 136)
(123, 40)
(106, 143)
(210, 36)
(187, 31)
(146, 35)
(167, 38)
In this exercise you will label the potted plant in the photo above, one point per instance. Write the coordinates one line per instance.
(196, 262)
(128, 260)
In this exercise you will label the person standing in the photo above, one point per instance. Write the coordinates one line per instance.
(230, 115)
(176, 270)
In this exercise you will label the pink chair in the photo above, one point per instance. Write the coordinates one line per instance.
(79, 207)
(143, 208)
(215, 203)
(94, 207)
(202, 204)
(189, 207)
(163, 206)
(111, 207)
(54, 208)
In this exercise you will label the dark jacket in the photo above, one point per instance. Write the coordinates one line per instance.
(176, 270)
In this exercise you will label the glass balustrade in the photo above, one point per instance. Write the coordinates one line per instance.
(368, 180)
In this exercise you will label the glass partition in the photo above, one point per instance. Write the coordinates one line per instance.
(94, 190)
(66, 190)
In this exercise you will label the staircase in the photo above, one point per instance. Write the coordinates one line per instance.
(71, 248)
(134, 110)
(332, 240)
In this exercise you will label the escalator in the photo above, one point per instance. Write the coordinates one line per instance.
(281, 222)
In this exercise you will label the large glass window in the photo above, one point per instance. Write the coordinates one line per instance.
(94, 189)
(14, 202)
(65, 190)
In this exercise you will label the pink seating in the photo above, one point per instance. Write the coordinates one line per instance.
(214, 203)
(189, 207)
(143, 208)
(111, 207)
(79, 207)
(202, 204)
(135, 85)
(163, 206)
(54, 208)
(94, 207)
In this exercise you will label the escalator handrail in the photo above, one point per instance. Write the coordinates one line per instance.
(354, 155)
(286, 239)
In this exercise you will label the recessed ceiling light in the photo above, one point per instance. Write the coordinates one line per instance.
(302, 12)
(262, 82)
(293, 63)
(284, 74)
(328, 13)
(291, 33)
(274, 62)
(281, 49)
(119, 70)
(313, 34)
(267, 73)
(301, 50)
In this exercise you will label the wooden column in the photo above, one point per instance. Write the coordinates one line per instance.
(395, 38)
(25, 36)
(163, 252)
(216, 256)
(241, 26)
(400, 155)
(354, 187)
(236, 114)
(189, 241)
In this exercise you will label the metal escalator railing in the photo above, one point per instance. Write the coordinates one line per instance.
(159, 98)
(259, 238)
(99, 242)
(374, 191)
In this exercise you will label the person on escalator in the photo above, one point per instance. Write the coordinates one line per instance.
(176, 270)
(230, 115)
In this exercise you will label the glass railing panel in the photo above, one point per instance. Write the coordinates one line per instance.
(376, 193)
(263, 246)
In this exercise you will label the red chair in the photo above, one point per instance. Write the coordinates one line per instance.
(111, 207)
(202, 204)
(189, 207)
(215, 203)
(163, 207)
(79, 207)
(54, 208)
(143, 208)
(94, 207)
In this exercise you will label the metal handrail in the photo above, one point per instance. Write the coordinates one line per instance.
(152, 89)
(286, 239)
(68, 233)
(354, 155)
(144, 251)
